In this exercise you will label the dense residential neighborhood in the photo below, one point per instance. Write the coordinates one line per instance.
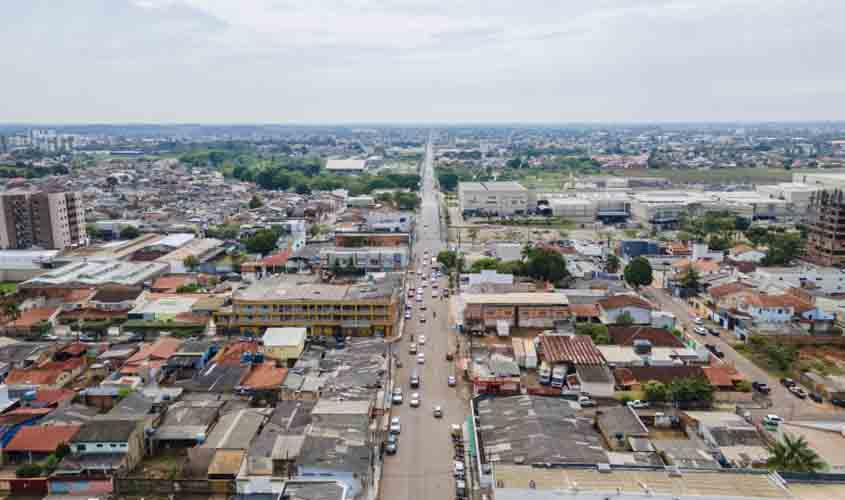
(408, 313)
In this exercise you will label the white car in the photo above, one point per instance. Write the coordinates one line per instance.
(420, 358)
(412, 348)
(415, 400)
(772, 420)
(434, 294)
(701, 330)
(697, 320)
(419, 298)
(395, 426)
(638, 403)
(451, 381)
(407, 314)
(421, 339)
(438, 412)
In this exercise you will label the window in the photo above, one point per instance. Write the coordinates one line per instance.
(99, 445)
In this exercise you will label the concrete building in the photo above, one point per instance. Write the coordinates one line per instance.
(828, 280)
(284, 344)
(361, 309)
(41, 219)
(797, 194)
(513, 310)
(822, 179)
(21, 265)
(346, 166)
(494, 198)
(366, 259)
(826, 235)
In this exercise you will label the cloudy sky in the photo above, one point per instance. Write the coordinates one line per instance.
(279, 61)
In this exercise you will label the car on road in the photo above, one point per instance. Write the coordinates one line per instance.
(761, 387)
(434, 294)
(420, 358)
(772, 420)
(415, 380)
(451, 381)
(838, 402)
(697, 320)
(422, 319)
(638, 403)
(787, 382)
(407, 314)
(798, 392)
(412, 348)
(586, 402)
(395, 426)
(421, 339)
(714, 332)
(438, 412)
(392, 445)
(419, 298)
(423, 307)
(415, 400)
(700, 330)
(715, 350)
(397, 397)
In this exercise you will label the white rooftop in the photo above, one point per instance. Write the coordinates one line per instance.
(284, 337)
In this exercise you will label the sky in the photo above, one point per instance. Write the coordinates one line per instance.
(335, 61)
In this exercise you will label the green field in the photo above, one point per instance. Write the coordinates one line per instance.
(8, 287)
(555, 179)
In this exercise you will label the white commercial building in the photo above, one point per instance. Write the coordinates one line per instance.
(494, 198)
(828, 280)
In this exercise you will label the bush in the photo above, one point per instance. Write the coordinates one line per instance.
(743, 386)
(29, 470)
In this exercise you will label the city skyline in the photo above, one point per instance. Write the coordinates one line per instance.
(203, 61)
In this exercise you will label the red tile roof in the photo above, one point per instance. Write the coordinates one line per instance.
(620, 301)
(75, 349)
(773, 301)
(577, 349)
(231, 354)
(161, 349)
(722, 375)
(41, 438)
(32, 317)
(32, 376)
(171, 283)
(626, 335)
(718, 292)
(265, 376)
(584, 310)
(664, 374)
(53, 396)
(279, 259)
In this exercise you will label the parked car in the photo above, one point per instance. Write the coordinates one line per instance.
(415, 381)
(700, 330)
(714, 332)
(798, 392)
(815, 396)
(761, 387)
(638, 403)
(421, 339)
(787, 382)
(420, 358)
(422, 319)
(407, 314)
(392, 445)
(415, 400)
(451, 381)
(838, 402)
(697, 320)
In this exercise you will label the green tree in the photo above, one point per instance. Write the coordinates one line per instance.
(514, 267)
(690, 280)
(448, 180)
(793, 454)
(448, 258)
(129, 232)
(596, 331)
(406, 201)
(29, 470)
(625, 319)
(545, 264)
(783, 250)
(262, 242)
(613, 263)
(191, 263)
(11, 310)
(255, 202)
(638, 272)
(223, 232)
(655, 391)
(691, 389)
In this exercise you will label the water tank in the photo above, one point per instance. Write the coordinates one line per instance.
(259, 357)
(246, 357)
(642, 346)
(30, 396)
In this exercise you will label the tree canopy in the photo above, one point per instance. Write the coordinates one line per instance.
(262, 242)
(638, 272)
(596, 331)
(544, 264)
(793, 454)
(129, 232)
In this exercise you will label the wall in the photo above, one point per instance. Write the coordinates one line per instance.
(640, 316)
(136, 486)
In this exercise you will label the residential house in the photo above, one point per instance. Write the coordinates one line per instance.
(745, 253)
(616, 306)
(634, 378)
(739, 442)
(191, 357)
(629, 335)
(503, 311)
(36, 442)
(150, 358)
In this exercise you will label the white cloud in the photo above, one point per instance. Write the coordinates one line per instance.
(353, 60)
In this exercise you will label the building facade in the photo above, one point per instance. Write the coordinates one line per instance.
(826, 235)
(494, 198)
(40, 219)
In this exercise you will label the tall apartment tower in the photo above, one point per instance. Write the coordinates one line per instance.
(826, 230)
(40, 219)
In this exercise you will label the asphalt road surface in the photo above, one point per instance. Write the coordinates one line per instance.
(422, 468)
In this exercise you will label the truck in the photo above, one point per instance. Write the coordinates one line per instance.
(530, 354)
(545, 374)
(558, 376)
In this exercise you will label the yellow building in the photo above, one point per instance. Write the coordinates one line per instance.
(349, 310)
(285, 343)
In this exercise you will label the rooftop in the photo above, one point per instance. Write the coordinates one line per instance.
(577, 349)
(540, 298)
(99, 272)
(533, 429)
(303, 287)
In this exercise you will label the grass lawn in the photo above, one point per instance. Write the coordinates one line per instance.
(8, 287)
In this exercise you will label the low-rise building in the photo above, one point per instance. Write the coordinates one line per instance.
(513, 310)
(284, 344)
(613, 308)
(494, 198)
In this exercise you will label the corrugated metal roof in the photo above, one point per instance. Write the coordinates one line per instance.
(577, 349)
